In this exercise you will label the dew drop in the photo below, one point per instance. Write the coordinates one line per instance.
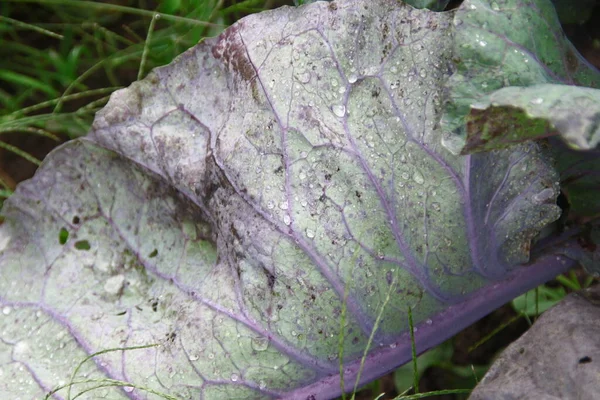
(537, 101)
(352, 78)
(418, 178)
(436, 206)
(270, 205)
(543, 196)
(259, 343)
(128, 389)
(262, 384)
(287, 220)
(339, 110)
(423, 74)
(283, 205)
(393, 346)
(310, 233)
(405, 175)
(234, 377)
(303, 77)
(6, 310)
(211, 356)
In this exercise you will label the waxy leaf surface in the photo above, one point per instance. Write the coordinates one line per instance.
(261, 207)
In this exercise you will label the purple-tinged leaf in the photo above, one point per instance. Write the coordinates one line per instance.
(234, 204)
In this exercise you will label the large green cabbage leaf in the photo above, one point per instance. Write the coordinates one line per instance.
(265, 209)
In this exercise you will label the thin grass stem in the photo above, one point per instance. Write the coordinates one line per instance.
(31, 27)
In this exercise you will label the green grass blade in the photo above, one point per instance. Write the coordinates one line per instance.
(155, 18)
(31, 27)
(413, 349)
(24, 80)
(20, 153)
(118, 8)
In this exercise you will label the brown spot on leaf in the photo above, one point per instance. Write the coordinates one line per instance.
(232, 52)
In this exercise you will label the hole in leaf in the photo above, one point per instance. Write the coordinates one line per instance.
(153, 254)
(76, 220)
(63, 236)
(82, 245)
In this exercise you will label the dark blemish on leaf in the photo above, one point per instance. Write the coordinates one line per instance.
(322, 198)
(154, 304)
(82, 245)
(231, 50)
(522, 350)
(234, 232)
(332, 6)
(585, 360)
(327, 177)
(171, 336)
(63, 236)
(270, 279)
(355, 340)
(572, 63)
(76, 220)
(358, 194)
(375, 92)
(388, 277)
(153, 254)
(121, 313)
(279, 170)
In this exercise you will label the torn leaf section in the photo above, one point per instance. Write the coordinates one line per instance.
(492, 51)
(515, 114)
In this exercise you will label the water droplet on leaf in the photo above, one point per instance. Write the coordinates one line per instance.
(260, 343)
(418, 178)
(543, 196)
(339, 110)
(537, 101)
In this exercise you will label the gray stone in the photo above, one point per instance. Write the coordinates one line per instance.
(558, 358)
